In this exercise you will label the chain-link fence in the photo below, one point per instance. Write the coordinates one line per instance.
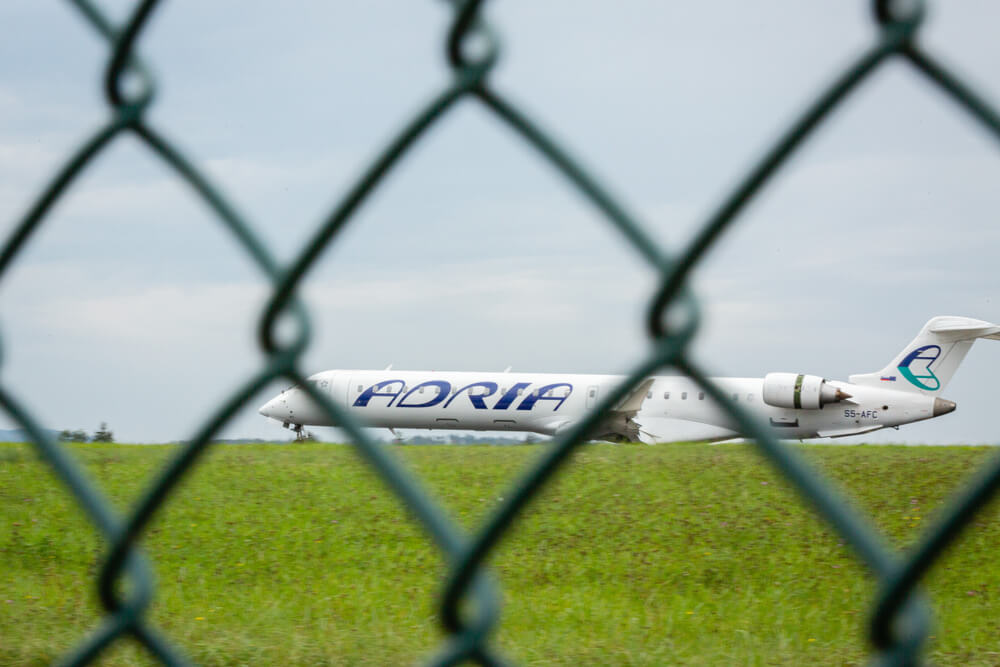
(468, 606)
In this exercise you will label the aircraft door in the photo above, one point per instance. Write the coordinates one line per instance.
(339, 387)
(592, 395)
(353, 390)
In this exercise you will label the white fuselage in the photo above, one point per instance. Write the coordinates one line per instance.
(547, 403)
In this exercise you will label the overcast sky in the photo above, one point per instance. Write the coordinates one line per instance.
(132, 306)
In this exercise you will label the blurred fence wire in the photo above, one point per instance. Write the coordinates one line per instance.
(469, 604)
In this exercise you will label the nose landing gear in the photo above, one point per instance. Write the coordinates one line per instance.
(301, 435)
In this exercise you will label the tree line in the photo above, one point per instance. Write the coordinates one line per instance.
(103, 434)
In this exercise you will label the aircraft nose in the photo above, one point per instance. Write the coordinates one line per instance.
(271, 408)
(943, 407)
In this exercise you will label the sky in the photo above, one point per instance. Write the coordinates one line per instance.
(132, 306)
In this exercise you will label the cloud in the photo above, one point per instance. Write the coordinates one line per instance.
(68, 299)
(493, 288)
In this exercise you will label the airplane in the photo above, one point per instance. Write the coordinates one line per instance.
(794, 405)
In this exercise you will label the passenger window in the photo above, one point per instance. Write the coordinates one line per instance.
(736, 397)
(684, 396)
(649, 395)
(421, 390)
(701, 396)
(360, 388)
(593, 392)
(666, 395)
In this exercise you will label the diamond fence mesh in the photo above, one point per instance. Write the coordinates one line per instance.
(469, 604)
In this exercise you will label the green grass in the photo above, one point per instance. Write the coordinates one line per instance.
(674, 554)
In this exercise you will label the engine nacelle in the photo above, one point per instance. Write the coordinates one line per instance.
(798, 391)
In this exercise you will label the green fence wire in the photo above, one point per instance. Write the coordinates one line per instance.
(469, 604)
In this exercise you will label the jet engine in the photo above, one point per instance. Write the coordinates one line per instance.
(798, 391)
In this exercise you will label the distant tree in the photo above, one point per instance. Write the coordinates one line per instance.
(78, 435)
(103, 434)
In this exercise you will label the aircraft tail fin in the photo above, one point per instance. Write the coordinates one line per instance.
(927, 364)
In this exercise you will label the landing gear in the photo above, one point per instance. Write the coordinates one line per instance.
(397, 439)
(301, 435)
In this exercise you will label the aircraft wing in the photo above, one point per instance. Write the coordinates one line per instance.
(631, 404)
(666, 429)
(618, 425)
(845, 432)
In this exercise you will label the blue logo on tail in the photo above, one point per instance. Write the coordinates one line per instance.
(921, 376)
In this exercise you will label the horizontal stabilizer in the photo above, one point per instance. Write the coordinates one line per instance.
(963, 328)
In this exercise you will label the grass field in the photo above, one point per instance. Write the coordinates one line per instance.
(674, 554)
